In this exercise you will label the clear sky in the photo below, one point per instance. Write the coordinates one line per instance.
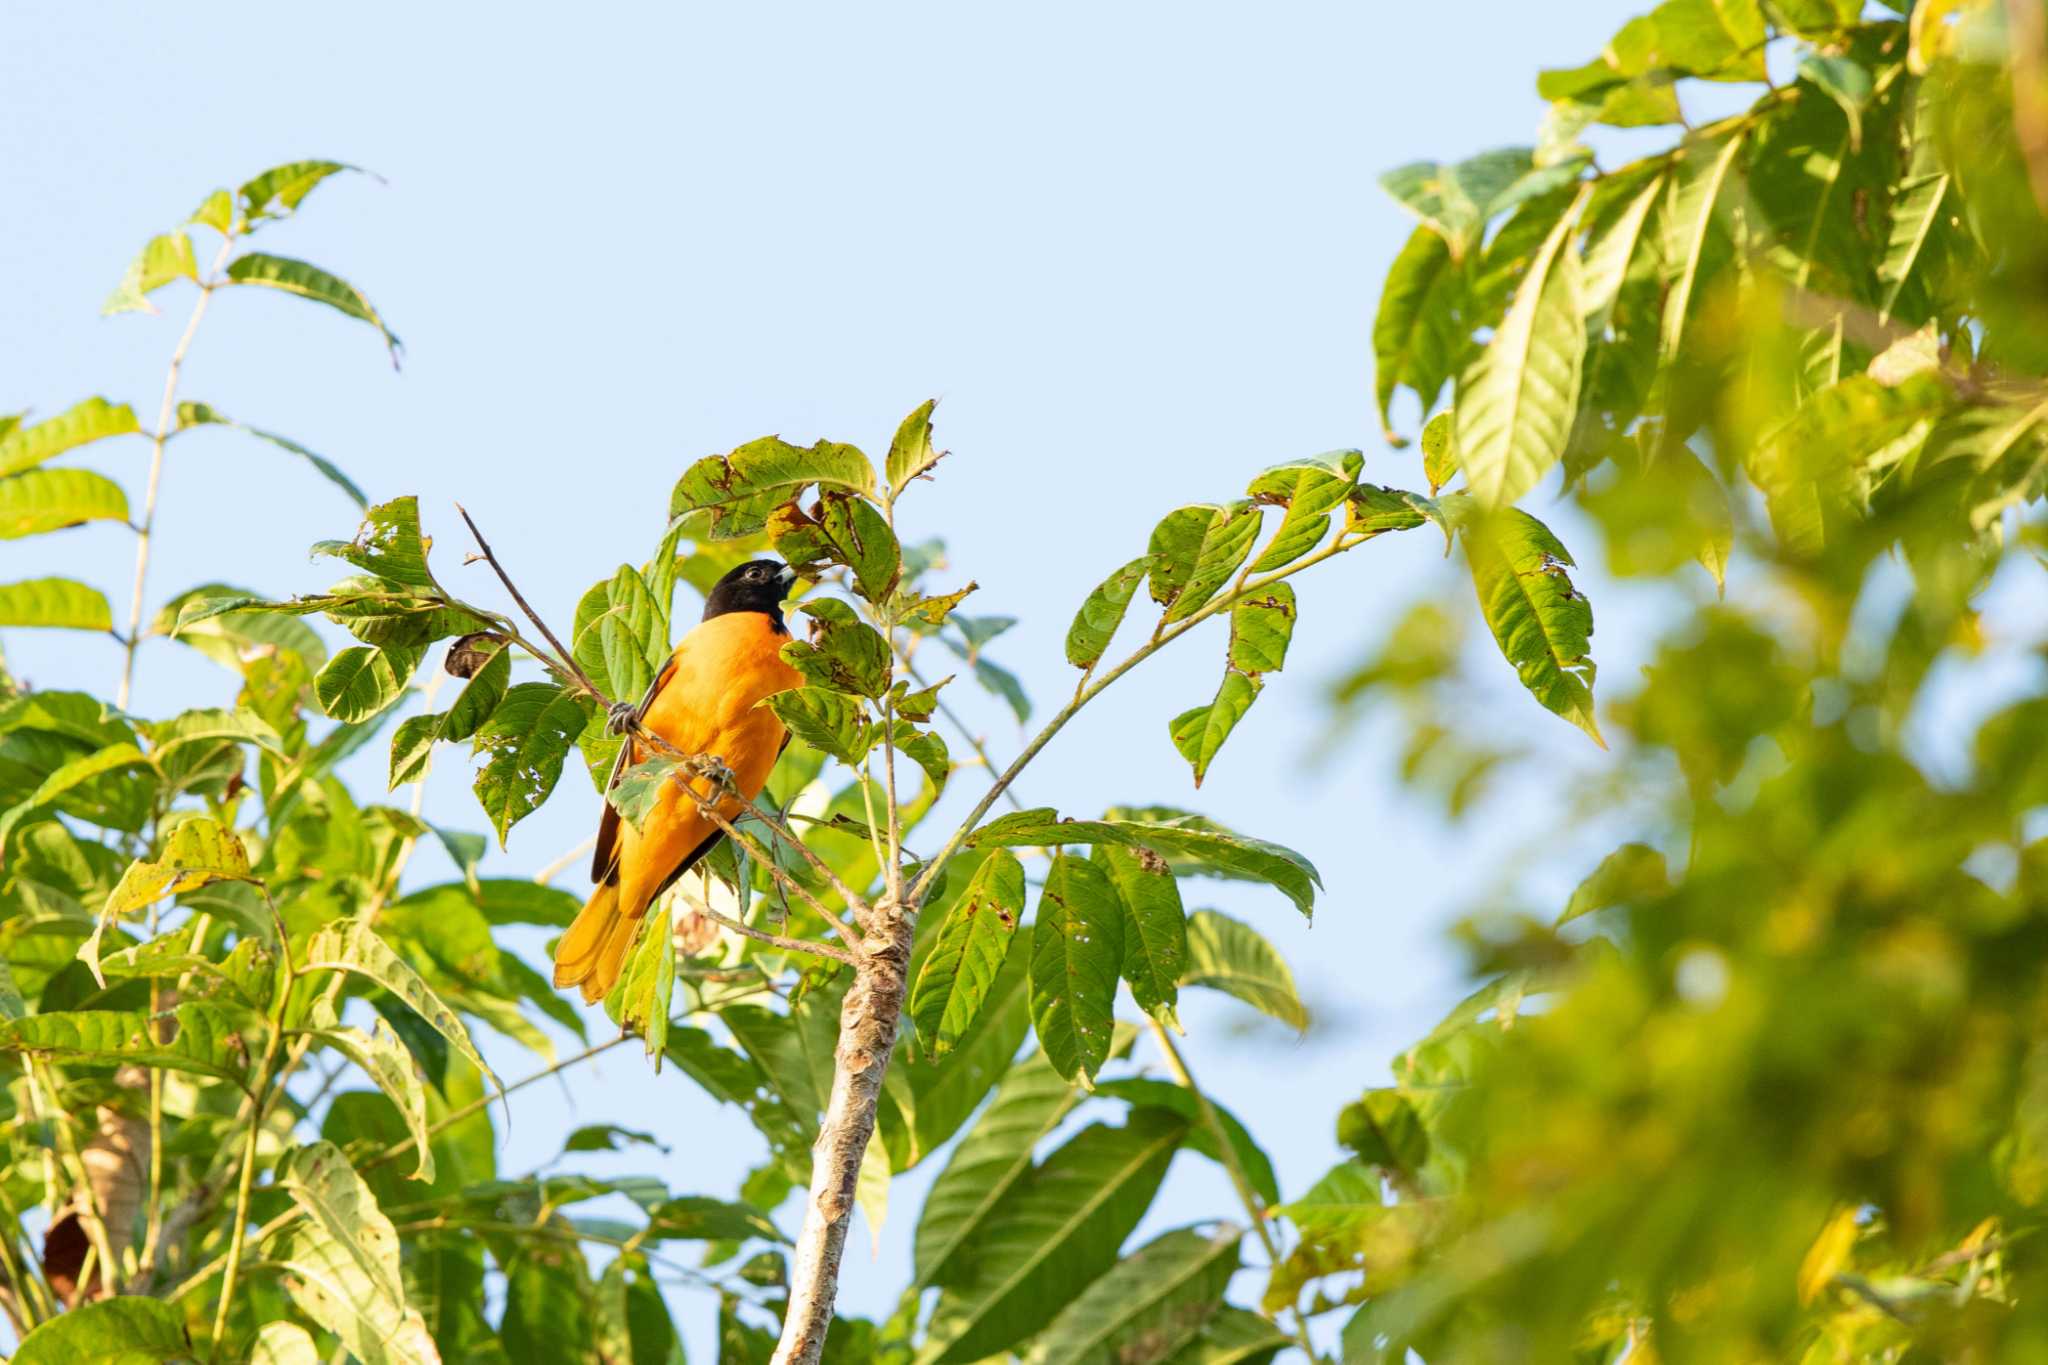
(1135, 250)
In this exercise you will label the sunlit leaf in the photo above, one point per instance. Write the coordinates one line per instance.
(128, 1330)
(739, 489)
(911, 453)
(93, 419)
(359, 950)
(59, 603)
(199, 1038)
(278, 191)
(1419, 336)
(50, 499)
(384, 1059)
(1195, 549)
(826, 720)
(341, 1261)
(1144, 1092)
(165, 258)
(1516, 400)
(1155, 927)
(361, 682)
(1544, 625)
(1310, 490)
(1199, 732)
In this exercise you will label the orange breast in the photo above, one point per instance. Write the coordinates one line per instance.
(710, 705)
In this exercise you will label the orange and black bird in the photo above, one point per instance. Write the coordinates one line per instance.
(704, 701)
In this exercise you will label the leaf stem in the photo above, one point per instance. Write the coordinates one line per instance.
(267, 1078)
(788, 945)
(1160, 638)
(1246, 1195)
(133, 640)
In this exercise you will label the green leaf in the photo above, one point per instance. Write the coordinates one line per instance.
(196, 852)
(1077, 949)
(523, 745)
(991, 1161)
(1234, 1336)
(361, 682)
(1195, 549)
(1631, 872)
(119, 1331)
(1419, 337)
(1149, 1304)
(972, 943)
(1260, 627)
(192, 415)
(44, 500)
(846, 654)
(341, 1261)
(165, 258)
(216, 211)
(1440, 450)
(1688, 215)
(1310, 490)
(1614, 232)
(481, 695)
(1541, 622)
(1143, 1092)
(620, 635)
(1383, 1128)
(356, 948)
(641, 1001)
(383, 1057)
(1097, 621)
(310, 282)
(69, 777)
(57, 603)
(860, 538)
(1517, 399)
(203, 1039)
(1054, 1235)
(740, 489)
(1155, 927)
(827, 721)
(1458, 200)
(1200, 731)
(388, 544)
(927, 749)
(278, 191)
(911, 453)
(92, 419)
(1916, 218)
(697, 1218)
(1229, 956)
(1199, 847)
(283, 1343)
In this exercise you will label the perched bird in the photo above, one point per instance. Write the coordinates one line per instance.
(704, 701)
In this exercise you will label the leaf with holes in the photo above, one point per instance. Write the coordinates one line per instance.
(195, 853)
(1155, 926)
(1194, 549)
(827, 721)
(1543, 624)
(1310, 490)
(383, 1057)
(523, 745)
(341, 1261)
(202, 1039)
(971, 945)
(358, 949)
(1077, 949)
(740, 489)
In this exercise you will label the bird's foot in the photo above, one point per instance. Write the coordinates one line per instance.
(619, 719)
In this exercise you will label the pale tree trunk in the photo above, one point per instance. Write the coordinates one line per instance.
(868, 1024)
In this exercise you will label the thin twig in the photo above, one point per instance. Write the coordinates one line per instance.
(1159, 640)
(788, 945)
(156, 471)
(554, 869)
(567, 659)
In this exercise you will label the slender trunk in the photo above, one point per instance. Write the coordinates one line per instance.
(868, 1024)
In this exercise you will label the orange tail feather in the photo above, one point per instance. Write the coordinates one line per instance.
(592, 951)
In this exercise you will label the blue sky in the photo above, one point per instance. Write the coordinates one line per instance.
(1133, 249)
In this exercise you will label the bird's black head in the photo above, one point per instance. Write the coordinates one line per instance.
(757, 585)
